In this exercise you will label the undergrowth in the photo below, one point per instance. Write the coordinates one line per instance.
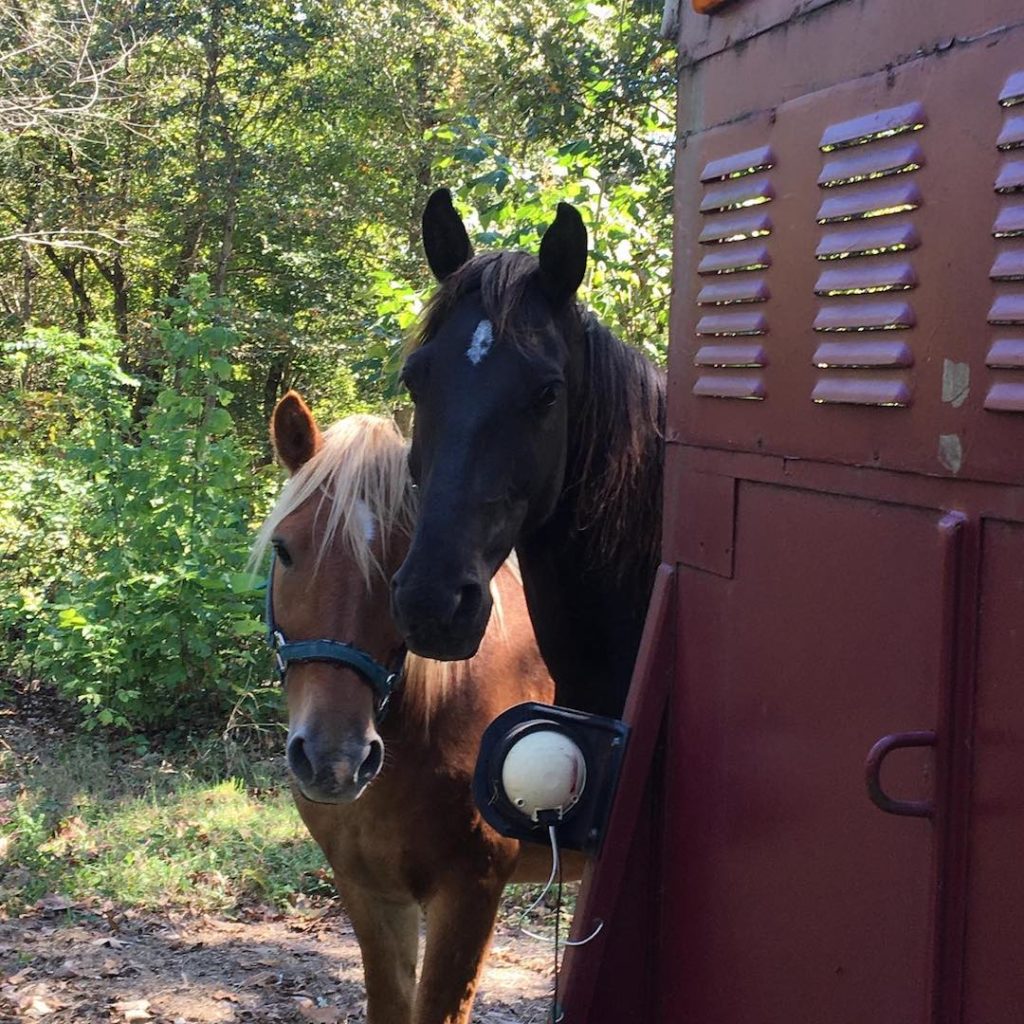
(212, 829)
(206, 827)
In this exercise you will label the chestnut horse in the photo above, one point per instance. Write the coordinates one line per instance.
(535, 428)
(387, 796)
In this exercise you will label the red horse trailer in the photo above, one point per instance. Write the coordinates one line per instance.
(821, 812)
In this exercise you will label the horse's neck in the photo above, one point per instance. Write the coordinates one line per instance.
(589, 570)
(588, 620)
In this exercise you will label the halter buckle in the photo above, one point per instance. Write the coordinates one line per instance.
(277, 642)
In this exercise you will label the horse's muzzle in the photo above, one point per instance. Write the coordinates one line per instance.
(335, 775)
(444, 623)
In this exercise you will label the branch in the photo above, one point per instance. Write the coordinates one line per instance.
(52, 239)
(62, 76)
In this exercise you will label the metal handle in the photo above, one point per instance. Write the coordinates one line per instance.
(873, 769)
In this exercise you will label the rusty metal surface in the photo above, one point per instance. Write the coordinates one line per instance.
(829, 636)
(736, 22)
(769, 51)
(621, 890)
(844, 502)
(995, 896)
(869, 298)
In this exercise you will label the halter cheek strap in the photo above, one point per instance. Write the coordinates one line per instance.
(383, 681)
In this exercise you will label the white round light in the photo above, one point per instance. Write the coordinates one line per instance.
(544, 771)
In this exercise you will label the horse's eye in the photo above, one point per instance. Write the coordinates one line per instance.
(282, 553)
(414, 373)
(409, 387)
(547, 396)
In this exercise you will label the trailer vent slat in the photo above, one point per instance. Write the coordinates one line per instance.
(1008, 266)
(857, 316)
(1013, 90)
(1007, 309)
(733, 292)
(1011, 177)
(734, 259)
(1006, 396)
(867, 241)
(1009, 222)
(732, 325)
(750, 388)
(869, 202)
(882, 124)
(737, 195)
(1006, 354)
(863, 354)
(1012, 135)
(739, 165)
(865, 278)
(851, 167)
(736, 227)
(736, 356)
(861, 391)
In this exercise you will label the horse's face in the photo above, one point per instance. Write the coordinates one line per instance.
(490, 433)
(334, 749)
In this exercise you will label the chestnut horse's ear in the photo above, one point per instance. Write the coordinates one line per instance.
(293, 432)
(563, 255)
(444, 235)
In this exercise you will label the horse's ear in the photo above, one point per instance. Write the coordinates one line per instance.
(444, 235)
(293, 432)
(563, 255)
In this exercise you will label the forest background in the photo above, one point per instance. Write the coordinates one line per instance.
(204, 202)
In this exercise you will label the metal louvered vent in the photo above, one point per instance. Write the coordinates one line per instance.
(1006, 352)
(869, 195)
(735, 230)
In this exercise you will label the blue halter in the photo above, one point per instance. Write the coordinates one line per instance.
(383, 681)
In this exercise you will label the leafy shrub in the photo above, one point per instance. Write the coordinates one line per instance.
(124, 541)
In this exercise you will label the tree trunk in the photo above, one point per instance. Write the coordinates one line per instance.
(227, 238)
(115, 276)
(210, 99)
(73, 272)
(275, 383)
(28, 274)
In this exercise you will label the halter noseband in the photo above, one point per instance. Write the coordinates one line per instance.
(383, 681)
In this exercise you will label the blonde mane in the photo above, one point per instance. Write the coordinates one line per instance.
(359, 468)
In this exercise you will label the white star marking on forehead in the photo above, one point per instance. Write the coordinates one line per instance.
(483, 338)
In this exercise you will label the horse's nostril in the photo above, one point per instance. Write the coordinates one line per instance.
(298, 760)
(372, 762)
(470, 597)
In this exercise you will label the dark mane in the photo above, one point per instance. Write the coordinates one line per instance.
(502, 279)
(616, 452)
(614, 472)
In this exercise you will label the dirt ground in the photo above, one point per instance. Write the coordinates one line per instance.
(63, 964)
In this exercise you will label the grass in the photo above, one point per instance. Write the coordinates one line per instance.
(90, 827)
(207, 829)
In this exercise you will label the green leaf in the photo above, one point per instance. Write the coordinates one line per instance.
(71, 618)
(219, 421)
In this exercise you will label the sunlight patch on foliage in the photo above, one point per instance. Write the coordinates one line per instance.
(201, 847)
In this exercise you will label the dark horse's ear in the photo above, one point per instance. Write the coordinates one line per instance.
(444, 235)
(293, 432)
(563, 255)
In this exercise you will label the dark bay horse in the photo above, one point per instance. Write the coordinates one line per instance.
(535, 428)
(387, 798)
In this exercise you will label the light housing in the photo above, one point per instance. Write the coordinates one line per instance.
(541, 765)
